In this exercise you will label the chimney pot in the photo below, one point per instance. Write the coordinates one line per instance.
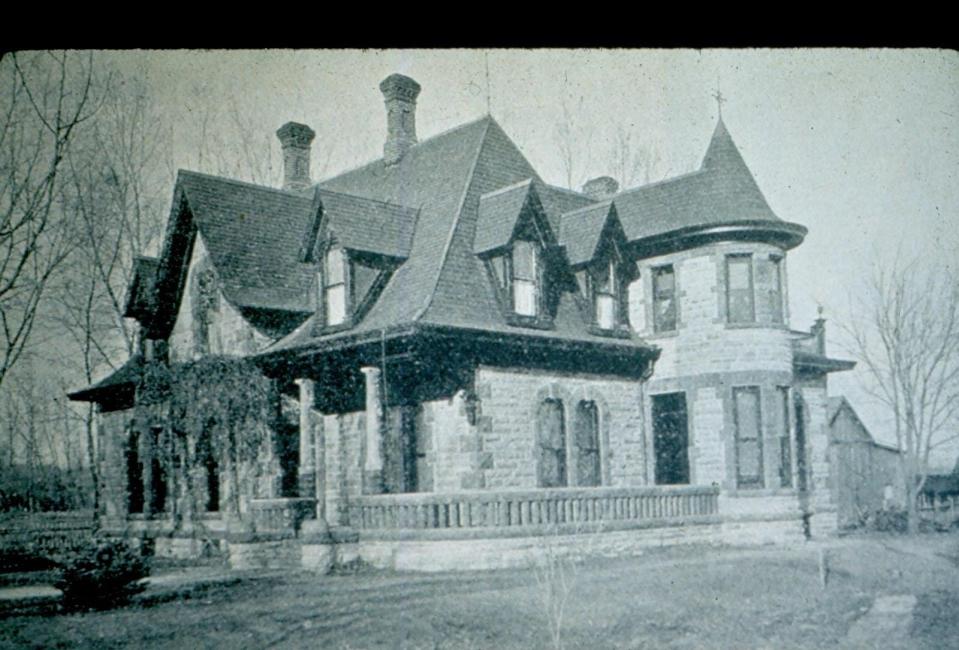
(296, 140)
(601, 188)
(399, 94)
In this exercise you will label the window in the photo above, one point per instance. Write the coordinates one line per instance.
(604, 278)
(134, 474)
(776, 290)
(211, 469)
(334, 286)
(749, 445)
(670, 439)
(739, 289)
(525, 269)
(785, 452)
(158, 487)
(551, 440)
(586, 440)
(664, 299)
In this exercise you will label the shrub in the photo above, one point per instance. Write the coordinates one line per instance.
(105, 574)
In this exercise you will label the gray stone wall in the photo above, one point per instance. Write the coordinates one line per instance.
(228, 331)
(509, 401)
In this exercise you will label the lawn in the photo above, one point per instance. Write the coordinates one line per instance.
(675, 598)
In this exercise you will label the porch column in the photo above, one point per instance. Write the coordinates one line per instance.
(306, 469)
(312, 469)
(373, 463)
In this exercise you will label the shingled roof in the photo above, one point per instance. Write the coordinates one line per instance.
(140, 294)
(124, 377)
(580, 231)
(454, 179)
(362, 224)
(723, 191)
(254, 235)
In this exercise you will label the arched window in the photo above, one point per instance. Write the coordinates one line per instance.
(586, 440)
(551, 442)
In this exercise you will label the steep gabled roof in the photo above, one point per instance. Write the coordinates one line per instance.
(499, 211)
(254, 235)
(581, 230)
(362, 224)
(723, 191)
(140, 294)
(454, 179)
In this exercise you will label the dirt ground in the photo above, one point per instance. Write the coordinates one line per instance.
(674, 598)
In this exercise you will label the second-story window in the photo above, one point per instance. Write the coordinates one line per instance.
(664, 299)
(525, 269)
(739, 289)
(334, 286)
(776, 310)
(610, 307)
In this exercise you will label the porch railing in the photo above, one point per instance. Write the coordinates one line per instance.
(281, 514)
(529, 511)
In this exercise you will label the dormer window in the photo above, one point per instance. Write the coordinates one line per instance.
(606, 289)
(525, 268)
(333, 282)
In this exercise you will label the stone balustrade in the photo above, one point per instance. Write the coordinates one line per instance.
(281, 515)
(531, 512)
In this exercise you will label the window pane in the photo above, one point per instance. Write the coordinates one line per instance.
(336, 304)
(524, 261)
(775, 291)
(748, 440)
(664, 282)
(524, 297)
(499, 268)
(606, 311)
(665, 314)
(335, 266)
(749, 467)
(739, 272)
(551, 439)
(785, 452)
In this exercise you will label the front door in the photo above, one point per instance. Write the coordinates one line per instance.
(670, 439)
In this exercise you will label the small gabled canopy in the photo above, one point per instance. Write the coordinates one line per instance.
(361, 224)
(140, 294)
(818, 364)
(503, 211)
(581, 231)
(122, 380)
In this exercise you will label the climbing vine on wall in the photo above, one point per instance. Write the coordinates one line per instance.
(217, 406)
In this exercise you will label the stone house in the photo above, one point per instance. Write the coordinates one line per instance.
(469, 358)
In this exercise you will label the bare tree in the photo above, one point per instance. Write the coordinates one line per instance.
(115, 188)
(46, 97)
(907, 340)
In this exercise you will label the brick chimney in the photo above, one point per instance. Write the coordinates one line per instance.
(600, 188)
(296, 139)
(399, 94)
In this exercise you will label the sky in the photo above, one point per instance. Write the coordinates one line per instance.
(860, 146)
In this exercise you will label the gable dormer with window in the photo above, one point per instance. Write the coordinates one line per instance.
(518, 248)
(355, 245)
(593, 239)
